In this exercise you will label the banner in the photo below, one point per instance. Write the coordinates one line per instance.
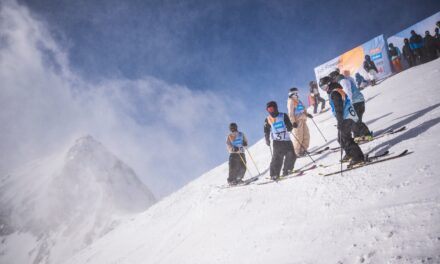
(427, 24)
(352, 61)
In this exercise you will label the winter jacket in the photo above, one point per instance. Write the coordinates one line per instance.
(407, 51)
(296, 110)
(268, 125)
(236, 139)
(340, 103)
(416, 42)
(350, 88)
(394, 53)
(369, 65)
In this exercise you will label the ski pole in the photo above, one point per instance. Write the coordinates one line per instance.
(319, 129)
(308, 154)
(249, 153)
(244, 163)
(340, 142)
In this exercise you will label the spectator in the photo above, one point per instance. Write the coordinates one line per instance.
(370, 67)
(416, 44)
(314, 93)
(437, 40)
(360, 80)
(430, 46)
(395, 57)
(408, 53)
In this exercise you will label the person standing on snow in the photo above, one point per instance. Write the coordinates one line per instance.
(345, 116)
(235, 143)
(277, 126)
(371, 69)
(360, 130)
(395, 57)
(360, 81)
(416, 44)
(408, 53)
(297, 113)
(314, 93)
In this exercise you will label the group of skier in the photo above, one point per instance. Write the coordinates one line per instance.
(348, 106)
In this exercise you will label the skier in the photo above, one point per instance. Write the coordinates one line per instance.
(345, 116)
(360, 130)
(314, 93)
(297, 113)
(235, 143)
(278, 126)
(395, 57)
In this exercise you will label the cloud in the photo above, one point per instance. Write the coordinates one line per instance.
(166, 132)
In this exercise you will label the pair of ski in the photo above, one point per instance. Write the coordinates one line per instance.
(296, 173)
(367, 158)
(388, 132)
(246, 182)
(371, 160)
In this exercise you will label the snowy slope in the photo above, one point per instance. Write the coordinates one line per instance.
(55, 206)
(387, 213)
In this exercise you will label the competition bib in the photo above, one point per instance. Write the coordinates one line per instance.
(278, 128)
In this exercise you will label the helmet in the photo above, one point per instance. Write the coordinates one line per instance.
(293, 92)
(324, 83)
(272, 108)
(233, 127)
(334, 74)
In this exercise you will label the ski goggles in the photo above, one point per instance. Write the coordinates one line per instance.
(293, 94)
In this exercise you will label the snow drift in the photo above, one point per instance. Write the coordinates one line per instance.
(55, 206)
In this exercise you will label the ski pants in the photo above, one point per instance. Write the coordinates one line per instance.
(301, 140)
(237, 167)
(346, 141)
(359, 128)
(318, 99)
(282, 152)
(397, 65)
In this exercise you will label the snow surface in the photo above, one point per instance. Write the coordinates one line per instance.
(384, 213)
(57, 205)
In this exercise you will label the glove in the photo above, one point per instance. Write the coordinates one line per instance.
(309, 116)
(235, 149)
(268, 142)
(295, 125)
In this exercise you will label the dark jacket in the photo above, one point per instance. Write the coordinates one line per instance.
(267, 126)
(416, 42)
(337, 101)
(369, 65)
(406, 50)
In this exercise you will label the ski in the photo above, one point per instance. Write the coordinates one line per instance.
(367, 158)
(388, 132)
(366, 163)
(296, 173)
(315, 152)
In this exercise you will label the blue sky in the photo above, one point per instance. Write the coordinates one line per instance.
(236, 55)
